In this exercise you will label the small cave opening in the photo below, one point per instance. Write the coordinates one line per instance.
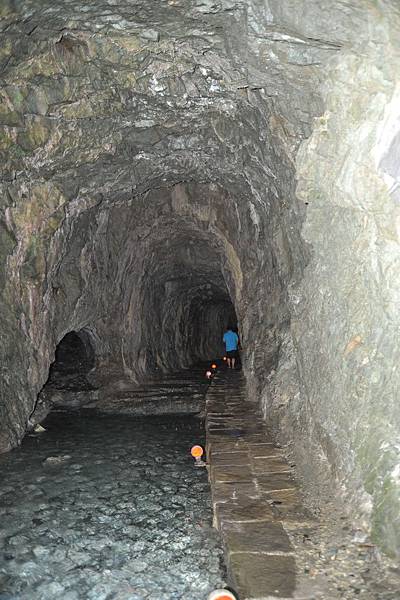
(69, 384)
(74, 359)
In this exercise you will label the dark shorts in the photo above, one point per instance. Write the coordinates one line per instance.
(232, 354)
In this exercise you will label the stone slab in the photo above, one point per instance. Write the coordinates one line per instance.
(288, 507)
(287, 497)
(226, 492)
(219, 415)
(294, 514)
(238, 417)
(263, 450)
(252, 438)
(262, 536)
(226, 473)
(216, 446)
(262, 576)
(276, 481)
(271, 464)
(243, 510)
(224, 434)
(231, 458)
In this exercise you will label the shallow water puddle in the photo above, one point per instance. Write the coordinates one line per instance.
(107, 508)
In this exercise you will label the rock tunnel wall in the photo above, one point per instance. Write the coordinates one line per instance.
(334, 392)
(151, 154)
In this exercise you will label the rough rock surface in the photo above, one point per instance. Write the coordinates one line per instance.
(275, 547)
(115, 510)
(150, 155)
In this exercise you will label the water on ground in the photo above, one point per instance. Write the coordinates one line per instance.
(107, 508)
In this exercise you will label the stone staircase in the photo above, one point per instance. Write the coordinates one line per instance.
(254, 494)
(181, 393)
(172, 393)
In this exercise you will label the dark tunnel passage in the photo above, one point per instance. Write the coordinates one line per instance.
(211, 314)
(68, 384)
(165, 300)
(74, 355)
(185, 299)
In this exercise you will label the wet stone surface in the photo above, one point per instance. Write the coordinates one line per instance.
(107, 508)
(276, 547)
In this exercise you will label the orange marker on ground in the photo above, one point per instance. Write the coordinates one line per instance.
(196, 451)
(221, 595)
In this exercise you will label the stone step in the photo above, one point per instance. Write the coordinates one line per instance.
(254, 494)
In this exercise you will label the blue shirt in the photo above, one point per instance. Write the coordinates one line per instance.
(231, 340)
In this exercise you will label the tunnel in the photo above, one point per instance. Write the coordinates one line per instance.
(175, 166)
(73, 355)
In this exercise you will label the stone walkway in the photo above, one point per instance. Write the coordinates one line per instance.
(274, 548)
(254, 494)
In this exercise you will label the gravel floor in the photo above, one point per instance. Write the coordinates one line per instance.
(332, 563)
(107, 508)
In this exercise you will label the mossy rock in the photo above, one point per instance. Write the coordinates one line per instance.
(34, 263)
(36, 135)
(6, 140)
(7, 245)
(7, 8)
(10, 118)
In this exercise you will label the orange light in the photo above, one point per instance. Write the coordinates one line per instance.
(213, 366)
(221, 595)
(196, 451)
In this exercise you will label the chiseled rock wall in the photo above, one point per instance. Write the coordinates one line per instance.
(352, 284)
(343, 404)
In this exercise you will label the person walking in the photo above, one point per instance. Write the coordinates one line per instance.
(231, 341)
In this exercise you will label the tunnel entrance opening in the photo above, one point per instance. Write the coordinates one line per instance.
(68, 385)
(74, 358)
(74, 354)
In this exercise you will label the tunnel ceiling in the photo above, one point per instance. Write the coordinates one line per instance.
(112, 98)
(166, 163)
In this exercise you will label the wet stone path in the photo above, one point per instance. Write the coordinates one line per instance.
(275, 548)
(107, 508)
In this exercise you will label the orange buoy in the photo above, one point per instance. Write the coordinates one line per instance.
(196, 451)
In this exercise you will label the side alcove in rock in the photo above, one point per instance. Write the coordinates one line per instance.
(69, 384)
(74, 358)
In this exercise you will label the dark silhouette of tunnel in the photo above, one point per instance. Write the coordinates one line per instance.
(74, 358)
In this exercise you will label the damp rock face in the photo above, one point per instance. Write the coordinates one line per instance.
(170, 166)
